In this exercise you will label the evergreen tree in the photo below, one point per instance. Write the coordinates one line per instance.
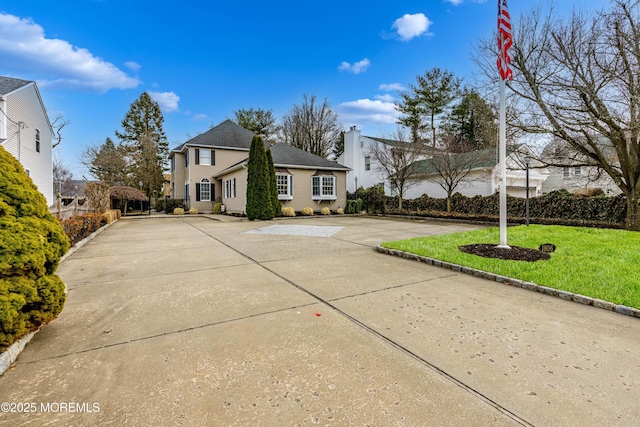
(259, 121)
(259, 205)
(471, 123)
(277, 207)
(429, 98)
(107, 163)
(141, 124)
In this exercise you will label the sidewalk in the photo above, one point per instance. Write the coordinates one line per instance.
(199, 322)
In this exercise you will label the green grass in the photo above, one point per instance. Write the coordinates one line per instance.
(600, 263)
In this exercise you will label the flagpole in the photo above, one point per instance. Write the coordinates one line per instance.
(503, 168)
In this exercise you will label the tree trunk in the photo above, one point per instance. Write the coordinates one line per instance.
(449, 203)
(399, 202)
(633, 210)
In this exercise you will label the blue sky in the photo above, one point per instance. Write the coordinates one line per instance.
(201, 59)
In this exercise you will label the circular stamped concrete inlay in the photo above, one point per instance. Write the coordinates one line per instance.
(298, 230)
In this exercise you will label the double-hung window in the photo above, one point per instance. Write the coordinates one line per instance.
(205, 157)
(566, 172)
(203, 190)
(285, 186)
(323, 187)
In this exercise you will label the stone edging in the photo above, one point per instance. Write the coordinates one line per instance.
(11, 354)
(530, 286)
(13, 351)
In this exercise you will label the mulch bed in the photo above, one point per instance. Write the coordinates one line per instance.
(516, 253)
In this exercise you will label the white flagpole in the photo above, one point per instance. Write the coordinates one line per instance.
(503, 168)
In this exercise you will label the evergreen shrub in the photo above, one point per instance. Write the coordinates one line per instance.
(217, 208)
(32, 242)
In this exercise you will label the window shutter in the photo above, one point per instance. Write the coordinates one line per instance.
(197, 186)
(213, 158)
(291, 185)
(197, 156)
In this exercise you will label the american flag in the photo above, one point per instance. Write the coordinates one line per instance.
(505, 40)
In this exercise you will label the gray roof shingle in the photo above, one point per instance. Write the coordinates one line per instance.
(226, 134)
(287, 155)
(9, 84)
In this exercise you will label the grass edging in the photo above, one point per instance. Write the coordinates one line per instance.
(530, 286)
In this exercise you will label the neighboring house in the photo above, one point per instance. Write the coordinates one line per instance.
(212, 167)
(484, 177)
(573, 177)
(26, 132)
(365, 172)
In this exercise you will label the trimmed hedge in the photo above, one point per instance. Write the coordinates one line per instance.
(32, 242)
(558, 207)
(80, 226)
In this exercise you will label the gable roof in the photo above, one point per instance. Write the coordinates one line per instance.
(226, 135)
(9, 84)
(285, 155)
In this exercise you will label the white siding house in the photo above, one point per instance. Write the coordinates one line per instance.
(25, 131)
(484, 177)
(364, 171)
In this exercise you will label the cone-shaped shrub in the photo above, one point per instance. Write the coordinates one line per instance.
(277, 211)
(32, 242)
(259, 205)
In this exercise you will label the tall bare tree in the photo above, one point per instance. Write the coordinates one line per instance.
(311, 127)
(392, 157)
(62, 176)
(578, 80)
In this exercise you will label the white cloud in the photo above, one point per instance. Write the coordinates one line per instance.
(357, 68)
(168, 101)
(368, 112)
(132, 65)
(410, 26)
(25, 48)
(388, 87)
(385, 98)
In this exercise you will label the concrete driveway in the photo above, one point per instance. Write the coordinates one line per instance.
(190, 321)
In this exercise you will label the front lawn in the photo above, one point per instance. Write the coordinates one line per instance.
(600, 263)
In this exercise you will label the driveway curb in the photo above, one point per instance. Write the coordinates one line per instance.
(13, 351)
(530, 286)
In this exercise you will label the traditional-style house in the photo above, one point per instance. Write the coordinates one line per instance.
(212, 168)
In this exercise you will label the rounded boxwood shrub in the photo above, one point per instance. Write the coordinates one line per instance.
(32, 242)
(178, 211)
(307, 211)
